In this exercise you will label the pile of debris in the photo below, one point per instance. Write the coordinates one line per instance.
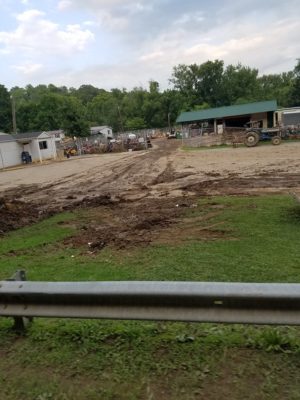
(15, 214)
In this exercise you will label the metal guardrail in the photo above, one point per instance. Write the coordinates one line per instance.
(250, 303)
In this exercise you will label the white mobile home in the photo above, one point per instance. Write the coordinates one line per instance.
(105, 131)
(10, 151)
(40, 145)
(288, 116)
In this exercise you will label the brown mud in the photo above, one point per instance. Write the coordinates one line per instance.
(137, 198)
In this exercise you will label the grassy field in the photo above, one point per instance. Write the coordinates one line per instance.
(258, 241)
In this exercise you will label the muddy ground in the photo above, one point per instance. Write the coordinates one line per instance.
(134, 197)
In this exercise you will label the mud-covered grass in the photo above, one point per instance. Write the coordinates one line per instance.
(249, 239)
(203, 148)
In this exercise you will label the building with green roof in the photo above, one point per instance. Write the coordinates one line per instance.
(232, 116)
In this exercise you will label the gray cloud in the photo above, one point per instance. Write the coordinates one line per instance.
(149, 37)
(139, 25)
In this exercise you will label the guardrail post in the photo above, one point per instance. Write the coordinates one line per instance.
(20, 323)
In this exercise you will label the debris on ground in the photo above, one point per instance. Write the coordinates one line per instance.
(137, 198)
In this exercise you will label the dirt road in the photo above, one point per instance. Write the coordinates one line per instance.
(164, 172)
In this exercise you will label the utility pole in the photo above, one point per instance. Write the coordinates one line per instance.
(121, 119)
(169, 121)
(13, 111)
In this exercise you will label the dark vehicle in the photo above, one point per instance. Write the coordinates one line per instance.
(171, 134)
(26, 157)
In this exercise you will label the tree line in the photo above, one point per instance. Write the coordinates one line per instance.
(194, 87)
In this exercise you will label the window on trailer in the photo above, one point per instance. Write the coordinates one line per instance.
(43, 145)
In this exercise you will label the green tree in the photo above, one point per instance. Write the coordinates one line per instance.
(195, 86)
(53, 110)
(26, 116)
(200, 83)
(49, 113)
(5, 110)
(86, 93)
(19, 95)
(73, 120)
(184, 79)
(152, 106)
(63, 90)
(153, 87)
(132, 104)
(276, 86)
(239, 85)
(105, 110)
(294, 96)
(35, 94)
(209, 84)
(135, 123)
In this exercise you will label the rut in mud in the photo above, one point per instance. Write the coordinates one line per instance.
(123, 225)
(144, 187)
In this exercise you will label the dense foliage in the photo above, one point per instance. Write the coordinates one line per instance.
(211, 84)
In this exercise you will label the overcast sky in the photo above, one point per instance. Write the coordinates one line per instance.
(126, 43)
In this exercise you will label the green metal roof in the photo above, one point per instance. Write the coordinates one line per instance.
(230, 111)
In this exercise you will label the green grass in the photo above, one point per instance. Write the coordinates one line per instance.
(260, 244)
(44, 233)
(64, 359)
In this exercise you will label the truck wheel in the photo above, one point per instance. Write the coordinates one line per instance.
(276, 140)
(252, 138)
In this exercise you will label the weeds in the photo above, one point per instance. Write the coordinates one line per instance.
(275, 340)
(67, 359)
